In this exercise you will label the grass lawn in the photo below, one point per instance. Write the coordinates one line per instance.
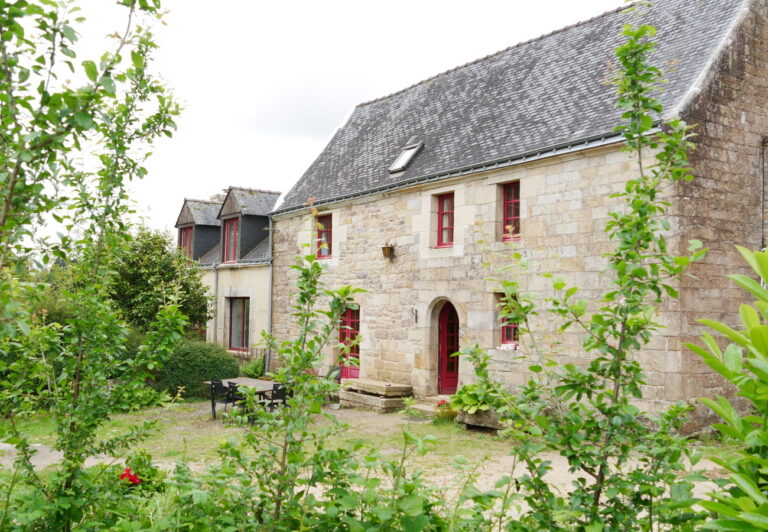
(185, 431)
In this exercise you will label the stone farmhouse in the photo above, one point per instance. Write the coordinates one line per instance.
(517, 151)
(229, 236)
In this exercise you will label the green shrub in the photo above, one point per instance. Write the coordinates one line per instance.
(253, 369)
(193, 362)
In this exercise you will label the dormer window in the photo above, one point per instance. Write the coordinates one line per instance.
(230, 240)
(185, 240)
(410, 150)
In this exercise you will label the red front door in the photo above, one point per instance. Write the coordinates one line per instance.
(349, 328)
(448, 334)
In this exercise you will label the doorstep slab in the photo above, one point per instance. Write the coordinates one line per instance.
(380, 388)
(382, 405)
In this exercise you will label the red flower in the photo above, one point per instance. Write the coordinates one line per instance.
(442, 403)
(130, 477)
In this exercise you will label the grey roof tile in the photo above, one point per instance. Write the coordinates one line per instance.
(212, 257)
(259, 253)
(203, 212)
(541, 93)
(253, 201)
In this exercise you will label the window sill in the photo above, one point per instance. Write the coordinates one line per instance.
(444, 246)
(509, 347)
(512, 238)
(324, 257)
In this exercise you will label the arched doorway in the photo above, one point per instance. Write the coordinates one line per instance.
(448, 343)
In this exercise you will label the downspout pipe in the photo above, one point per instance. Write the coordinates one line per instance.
(215, 302)
(268, 355)
(763, 171)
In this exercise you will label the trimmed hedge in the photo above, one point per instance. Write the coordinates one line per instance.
(193, 362)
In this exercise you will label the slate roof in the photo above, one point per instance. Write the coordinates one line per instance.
(537, 95)
(253, 201)
(259, 253)
(204, 212)
(212, 257)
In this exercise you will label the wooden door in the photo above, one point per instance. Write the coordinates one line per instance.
(448, 335)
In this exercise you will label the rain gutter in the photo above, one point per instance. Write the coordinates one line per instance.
(594, 141)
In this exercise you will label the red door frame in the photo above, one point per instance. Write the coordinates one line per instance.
(349, 328)
(448, 343)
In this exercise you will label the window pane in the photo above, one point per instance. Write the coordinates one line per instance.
(239, 319)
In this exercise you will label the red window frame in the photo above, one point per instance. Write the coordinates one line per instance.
(185, 240)
(445, 207)
(239, 342)
(509, 332)
(230, 240)
(511, 211)
(325, 236)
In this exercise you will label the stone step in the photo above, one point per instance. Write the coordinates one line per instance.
(379, 388)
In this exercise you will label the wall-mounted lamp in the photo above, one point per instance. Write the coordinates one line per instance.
(388, 251)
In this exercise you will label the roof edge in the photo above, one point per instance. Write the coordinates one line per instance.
(522, 43)
(262, 191)
(708, 71)
(212, 202)
(584, 143)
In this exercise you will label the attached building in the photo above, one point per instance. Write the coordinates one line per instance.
(230, 239)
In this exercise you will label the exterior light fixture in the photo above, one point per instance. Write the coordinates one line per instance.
(388, 250)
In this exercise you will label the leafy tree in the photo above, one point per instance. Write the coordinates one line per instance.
(628, 470)
(46, 122)
(146, 269)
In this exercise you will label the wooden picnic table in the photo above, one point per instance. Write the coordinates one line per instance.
(261, 386)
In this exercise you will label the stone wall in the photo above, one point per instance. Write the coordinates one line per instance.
(725, 205)
(565, 201)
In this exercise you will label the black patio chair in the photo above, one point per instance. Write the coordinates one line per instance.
(278, 397)
(219, 394)
(237, 397)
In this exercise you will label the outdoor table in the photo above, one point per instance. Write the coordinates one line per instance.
(244, 382)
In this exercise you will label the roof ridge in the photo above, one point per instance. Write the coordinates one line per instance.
(256, 190)
(204, 201)
(522, 43)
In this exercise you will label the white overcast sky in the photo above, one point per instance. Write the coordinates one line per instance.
(264, 85)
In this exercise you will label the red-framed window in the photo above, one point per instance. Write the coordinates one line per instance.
(185, 240)
(324, 236)
(349, 328)
(238, 323)
(445, 220)
(230, 240)
(509, 332)
(511, 210)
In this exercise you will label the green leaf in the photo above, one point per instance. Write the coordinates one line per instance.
(759, 337)
(750, 488)
(83, 120)
(90, 70)
(108, 85)
(411, 505)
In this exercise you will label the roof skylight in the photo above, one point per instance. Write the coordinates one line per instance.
(410, 150)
